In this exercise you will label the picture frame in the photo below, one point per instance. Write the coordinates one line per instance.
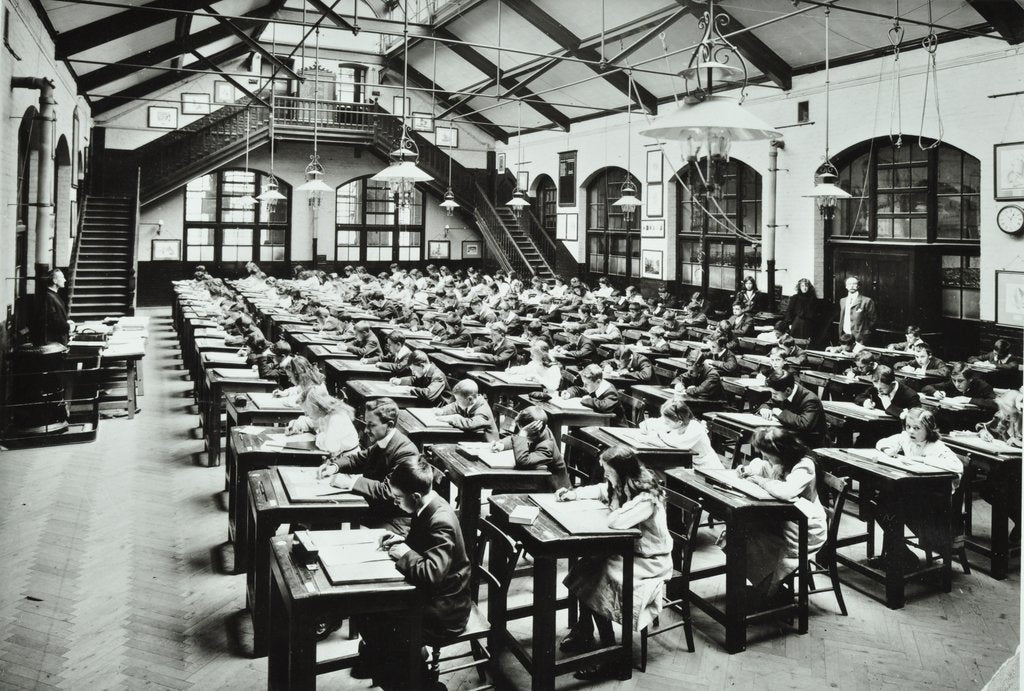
(567, 227)
(224, 92)
(1010, 298)
(652, 228)
(400, 106)
(655, 167)
(1008, 171)
(523, 181)
(499, 163)
(195, 104)
(448, 137)
(162, 117)
(439, 249)
(472, 249)
(423, 122)
(166, 250)
(653, 200)
(651, 264)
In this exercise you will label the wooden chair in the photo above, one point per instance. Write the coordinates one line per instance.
(958, 526)
(498, 582)
(677, 588)
(634, 410)
(663, 376)
(580, 460)
(505, 418)
(832, 492)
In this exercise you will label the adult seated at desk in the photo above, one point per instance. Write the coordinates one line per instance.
(924, 363)
(721, 358)
(848, 345)
(964, 382)
(429, 384)
(864, 365)
(499, 351)
(469, 410)
(432, 556)
(365, 345)
(888, 394)
(365, 471)
(919, 439)
(481, 312)
(542, 367)
(740, 321)
(629, 364)
(52, 324)
(1000, 356)
(603, 330)
(577, 346)
(796, 408)
(699, 379)
(398, 355)
(912, 336)
(595, 393)
(678, 427)
(1003, 484)
(534, 447)
(784, 468)
(750, 299)
(455, 334)
(330, 420)
(636, 500)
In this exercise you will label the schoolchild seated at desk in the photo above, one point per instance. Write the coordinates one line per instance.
(365, 345)
(542, 367)
(303, 377)
(695, 313)
(678, 427)
(436, 325)
(603, 330)
(636, 500)
(330, 420)
(965, 382)
(397, 358)
(629, 364)
(656, 340)
(535, 447)
(239, 329)
(1003, 485)
(595, 393)
(428, 383)
(1000, 356)
(481, 312)
(848, 345)
(888, 394)
(791, 351)
(637, 318)
(499, 351)
(272, 364)
(777, 365)
(550, 310)
(337, 327)
(699, 379)
(723, 329)
(750, 299)
(455, 334)
(864, 365)
(432, 556)
(796, 408)
(741, 321)
(579, 347)
(469, 411)
(920, 439)
(664, 302)
(924, 362)
(535, 330)
(721, 358)
(673, 327)
(912, 338)
(776, 333)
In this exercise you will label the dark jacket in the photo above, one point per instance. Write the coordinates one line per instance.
(541, 452)
(459, 339)
(52, 323)
(862, 320)
(583, 352)
(477, 418)
(743, 325)
(706, 380)
(606, 402)
(437, 564)
(374, 464)
(754, 304)
(368, 347)
(903, 399)
(725, 362)
(978, 390)
(802, 315)
(636, 367)
(500, 353)
(431, 387)
(804, 415)
(400, 366)
(935, 367)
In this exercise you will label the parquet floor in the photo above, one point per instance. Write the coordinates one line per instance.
(113, 578)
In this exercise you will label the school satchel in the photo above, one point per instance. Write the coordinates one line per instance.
(88, 335)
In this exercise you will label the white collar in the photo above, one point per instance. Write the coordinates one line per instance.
(387, 439)
(792, 394)
(427, 499)
(601, 388)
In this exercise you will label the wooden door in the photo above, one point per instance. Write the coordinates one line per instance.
(886, 276)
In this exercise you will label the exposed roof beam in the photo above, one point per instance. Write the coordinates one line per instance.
(643, 40)
(570, 43)
(480, 62)
(750, 46)
(247, 40)
(368, 24)
(335, 18)
(1007, 18)
(238, 85)
(182, 28)
(162, 81)
(119, 25)
(448, 14)
(445, 100)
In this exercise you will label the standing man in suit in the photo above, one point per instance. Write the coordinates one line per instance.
(856, 312)
(52, 325)
(796, 408)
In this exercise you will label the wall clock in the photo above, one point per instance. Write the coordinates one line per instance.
(1011, 219)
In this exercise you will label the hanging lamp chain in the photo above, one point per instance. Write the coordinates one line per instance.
(931, 77)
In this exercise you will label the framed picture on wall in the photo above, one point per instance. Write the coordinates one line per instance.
(499, 164)
(439, 249)
(1009, 170)
(400, 106)
(650, 262)
(566, 227)
(163, 117)
(224, 92)
(523, 180)
(1010, 298)
(166, 250)
(447, 137)
(195, 104)
(652, 198)
(471, 249)
(652, 228)
(423, 122)
(654, 167)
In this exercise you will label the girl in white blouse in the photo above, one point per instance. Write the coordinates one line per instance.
(677, 427)
(330, 420)
(920, 439)
(542, 367)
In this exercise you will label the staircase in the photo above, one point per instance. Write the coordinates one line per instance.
(102, 268)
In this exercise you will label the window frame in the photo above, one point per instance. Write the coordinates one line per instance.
(566, 184)
(604, 235)
(397, 229)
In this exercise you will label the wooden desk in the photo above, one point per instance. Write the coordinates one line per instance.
(655, 396)
(278, 322)
(361, 391)
(888, 356)
(746, 392)
(956, 417)
(740, 514)
(247, 453)
(919, 381)
(131, 355)
(1000, 377)
(268, 509)
(829, 362)
(896, 489)
(258, 408)
(301, 341)
(559, 417)
(753, 345)
(217, 383)
(426, 433)
(547, 542)
(651, 451)
(300, 598)
(322, 353)
(999, 550)
(736, 431)
(493, 383)
(847, 419)
(833, 386)
(472, 476)
(340, 371)
(456, 362)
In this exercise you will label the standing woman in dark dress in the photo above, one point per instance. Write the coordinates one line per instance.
(802, 312)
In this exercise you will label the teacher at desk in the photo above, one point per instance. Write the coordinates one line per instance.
(52, 324)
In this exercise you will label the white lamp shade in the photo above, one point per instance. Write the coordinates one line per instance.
(716, 116)
(517, 201)
(628, 201)
(720, 72)
(404, 171)
(313, 186)
(448, 204)
(825, 189)
(249, 200)
(271, 194)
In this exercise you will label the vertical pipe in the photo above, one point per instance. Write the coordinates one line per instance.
(44, 184)
(768, 238)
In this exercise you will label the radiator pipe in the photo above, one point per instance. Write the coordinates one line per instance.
(44, 180)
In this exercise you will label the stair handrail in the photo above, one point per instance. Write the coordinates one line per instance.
(73, 266)
(132, 239)
(514, 255)
(528, 223)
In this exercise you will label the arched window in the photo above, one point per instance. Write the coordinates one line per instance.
(546, 204)
(219, 228)
(370, 226)
(705, 225)
(613, 244)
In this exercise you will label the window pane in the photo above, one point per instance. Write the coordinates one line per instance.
(349, 203)
(200, 199)
(949, 173)
(971, 217)
(971, 304)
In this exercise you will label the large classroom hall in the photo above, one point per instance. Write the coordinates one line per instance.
(512, 344)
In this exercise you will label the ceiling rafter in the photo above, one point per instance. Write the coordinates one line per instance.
(230, 78)
(646, 38)
(570, 43)
(482, 63)
(119, 25)
(249, 41)
(1007, 18)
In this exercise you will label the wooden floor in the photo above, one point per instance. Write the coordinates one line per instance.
(113, 577)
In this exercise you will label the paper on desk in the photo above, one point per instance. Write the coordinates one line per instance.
(493, 459)
(568, 404)
(265, 399)
(636, 437)
(302, 485)
(749, 419)
(582, 517)
(282, 440)
(916, 465)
